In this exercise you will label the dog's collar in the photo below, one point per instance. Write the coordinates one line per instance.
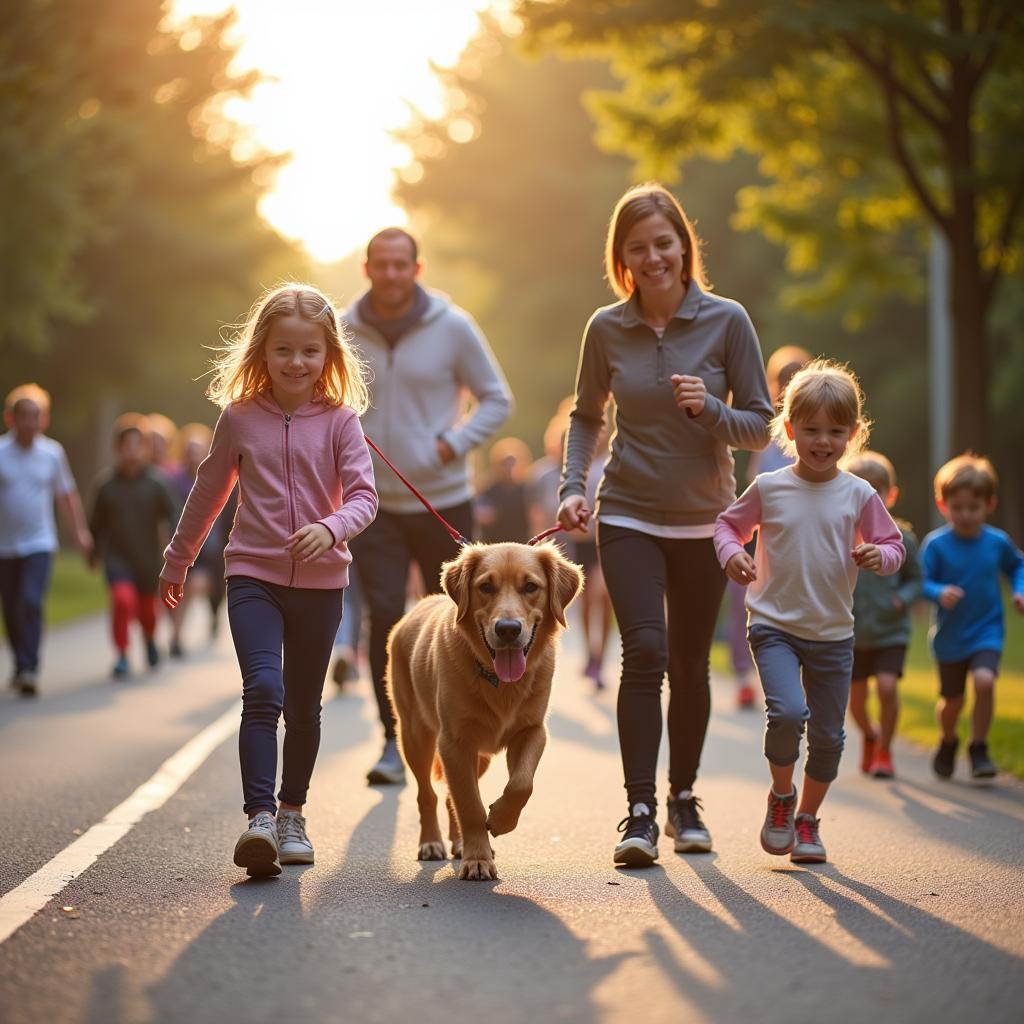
(486, 673)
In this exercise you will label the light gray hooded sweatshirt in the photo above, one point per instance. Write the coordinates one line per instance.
(419, 392)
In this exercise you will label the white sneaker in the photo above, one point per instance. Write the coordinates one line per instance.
(292, 842)
(256, 849)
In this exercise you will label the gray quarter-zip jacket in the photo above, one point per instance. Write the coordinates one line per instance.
(667, 468)
(419, 393)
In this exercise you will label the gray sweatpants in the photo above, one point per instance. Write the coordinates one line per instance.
(804, 681)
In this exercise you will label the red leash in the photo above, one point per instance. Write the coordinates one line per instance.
(451, 531)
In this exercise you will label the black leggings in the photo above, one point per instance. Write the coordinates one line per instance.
(644, 575)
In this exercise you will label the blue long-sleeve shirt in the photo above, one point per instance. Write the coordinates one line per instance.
(973, 564)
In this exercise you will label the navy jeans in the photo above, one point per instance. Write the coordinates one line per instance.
(267, 619)
(804, 681)
(23, 583)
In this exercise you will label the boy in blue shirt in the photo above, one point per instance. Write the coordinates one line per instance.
(961, 563)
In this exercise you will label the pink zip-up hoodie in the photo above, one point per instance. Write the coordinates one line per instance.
(310, 467)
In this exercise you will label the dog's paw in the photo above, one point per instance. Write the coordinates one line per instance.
(456, 849)
(503, 816)
(478, 870)
(431, 851)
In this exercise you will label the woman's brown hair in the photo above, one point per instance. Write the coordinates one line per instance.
(637, 204)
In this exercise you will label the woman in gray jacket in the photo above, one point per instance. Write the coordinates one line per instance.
(670, 354)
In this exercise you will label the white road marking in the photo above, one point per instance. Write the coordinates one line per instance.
(25, 900)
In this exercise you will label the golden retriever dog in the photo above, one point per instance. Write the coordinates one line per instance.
(469, 675)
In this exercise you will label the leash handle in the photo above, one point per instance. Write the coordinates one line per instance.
(451, 531)
(551, 530)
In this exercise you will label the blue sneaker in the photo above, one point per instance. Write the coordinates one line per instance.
(152, 654)
(121, 670)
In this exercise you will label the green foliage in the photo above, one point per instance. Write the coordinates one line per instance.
(74, 590)
(134, 207)
(868, 120)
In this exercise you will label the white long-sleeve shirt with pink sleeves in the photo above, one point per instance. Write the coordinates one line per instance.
(804, 558)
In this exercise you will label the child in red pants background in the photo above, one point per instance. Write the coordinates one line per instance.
(133, 514)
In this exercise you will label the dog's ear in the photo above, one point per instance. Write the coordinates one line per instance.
(457, 579)
(565, 581)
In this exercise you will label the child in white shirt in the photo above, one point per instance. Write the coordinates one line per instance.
(817, 525)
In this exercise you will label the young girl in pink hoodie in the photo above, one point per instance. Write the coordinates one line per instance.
(292, 390)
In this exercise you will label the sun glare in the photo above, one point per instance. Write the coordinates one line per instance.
(342, 77)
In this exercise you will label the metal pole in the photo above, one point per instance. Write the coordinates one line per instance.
(940, 355)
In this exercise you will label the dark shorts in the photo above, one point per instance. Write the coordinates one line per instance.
(953, 674)
(875, 661)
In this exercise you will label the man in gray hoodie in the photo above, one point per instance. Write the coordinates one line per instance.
(427, 358)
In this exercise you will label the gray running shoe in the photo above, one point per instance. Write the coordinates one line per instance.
(685, 826)
(292, 842)
(639, 846)
(25, 681)
(808, 849)
(389, 770)
(256, 849)
(981, 764)
(778, 836)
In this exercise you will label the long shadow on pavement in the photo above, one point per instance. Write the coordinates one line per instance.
(367, 945)
(746, 959)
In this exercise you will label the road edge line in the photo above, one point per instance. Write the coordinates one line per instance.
(24, 901)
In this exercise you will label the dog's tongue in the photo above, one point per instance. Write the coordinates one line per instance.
(509, 664)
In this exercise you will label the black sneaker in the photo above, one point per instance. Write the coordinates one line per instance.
(945, 758)
(685, 826)
(639, 845)
(981, 764)
(152, 654)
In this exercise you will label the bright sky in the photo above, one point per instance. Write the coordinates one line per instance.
(345, 72)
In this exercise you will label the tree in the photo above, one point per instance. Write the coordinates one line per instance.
(865, 118)
(134, 202)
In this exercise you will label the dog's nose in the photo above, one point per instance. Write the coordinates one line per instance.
(508, 629)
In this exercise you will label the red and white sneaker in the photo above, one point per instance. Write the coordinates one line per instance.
(881, 765)
(809, 848)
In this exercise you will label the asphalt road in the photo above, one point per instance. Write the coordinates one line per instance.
(919, 916)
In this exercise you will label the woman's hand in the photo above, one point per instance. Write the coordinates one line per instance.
(690, 393)
(171, 593)
(573, 513)
(309, 542)
(741, 569)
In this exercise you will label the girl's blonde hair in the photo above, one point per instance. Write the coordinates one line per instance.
(823, 384)
(637, 204)
(240, 370)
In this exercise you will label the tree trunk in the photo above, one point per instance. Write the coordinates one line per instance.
(970, 352)
(970, 308)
